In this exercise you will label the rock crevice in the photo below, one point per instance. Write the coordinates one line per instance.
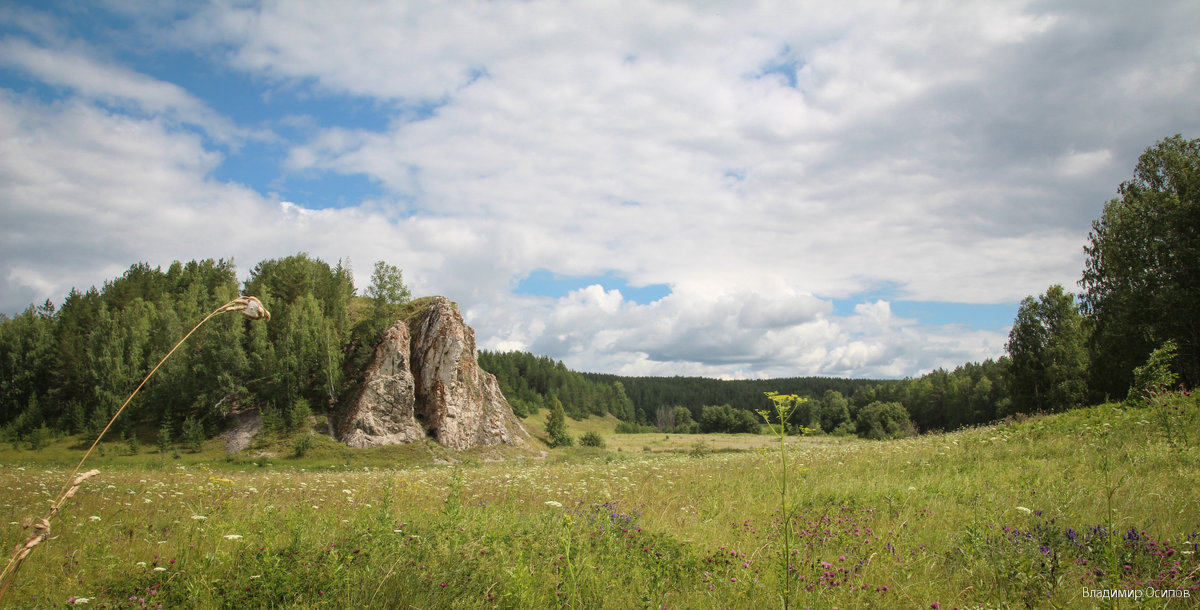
(424, 381)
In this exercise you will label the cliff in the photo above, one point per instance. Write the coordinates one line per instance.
(425, 382)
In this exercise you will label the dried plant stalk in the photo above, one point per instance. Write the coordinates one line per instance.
(248, 306)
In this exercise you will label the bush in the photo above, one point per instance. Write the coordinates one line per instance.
(591, 439)
(1154, 376)
(884, 420)
(301, 444)
(725, 418)
(163, 440)
(193, 434)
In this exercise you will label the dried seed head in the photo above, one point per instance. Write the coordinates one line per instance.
(253, 308)
(85, 476)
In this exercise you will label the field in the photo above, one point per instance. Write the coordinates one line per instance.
(1055, 511)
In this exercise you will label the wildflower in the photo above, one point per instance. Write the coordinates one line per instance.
(159, 569)
(199, 517)
(553, 503)
(1025, 510)
(232, 536)
(94, 518)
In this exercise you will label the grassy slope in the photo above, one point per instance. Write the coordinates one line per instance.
(879, 524)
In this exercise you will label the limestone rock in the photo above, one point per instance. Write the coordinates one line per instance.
(425, 381)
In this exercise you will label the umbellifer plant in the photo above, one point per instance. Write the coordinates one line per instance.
(249, 307)
(785, 405)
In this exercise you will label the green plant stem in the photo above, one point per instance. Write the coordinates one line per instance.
(787, 519)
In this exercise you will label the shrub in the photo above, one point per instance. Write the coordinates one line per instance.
(591, 439)
(884, 420)
(629, 427)
(1154, 376)
(193, 434)
(724, 418)
(301, 444)
(163, 440)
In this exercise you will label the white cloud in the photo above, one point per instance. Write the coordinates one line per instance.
(91, 78)
(955, 151)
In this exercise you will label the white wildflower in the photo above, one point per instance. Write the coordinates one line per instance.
(199, 517)
(232, 536)
(553, 503)
(94, 518)
(1025, 510)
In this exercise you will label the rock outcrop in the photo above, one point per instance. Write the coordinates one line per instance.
(425, 382)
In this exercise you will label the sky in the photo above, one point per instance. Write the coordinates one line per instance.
(727, 189)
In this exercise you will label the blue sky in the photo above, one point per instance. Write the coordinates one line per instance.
(664, 188)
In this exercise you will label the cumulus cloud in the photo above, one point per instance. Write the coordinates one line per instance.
(760, 161)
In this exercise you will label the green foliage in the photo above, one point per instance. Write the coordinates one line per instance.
(387, 290)
(1048, 350)
(162, 442)
(556, 428)
(528, 381)
(629, 427)
(1155, 375)
(193, 434)
(71, 368)
(301, 444)
(884, 420)
(591, 439)
(649, 393)
(724, 418)
(296, 416)
(1139, 280)
(834, 411)
(38, 437)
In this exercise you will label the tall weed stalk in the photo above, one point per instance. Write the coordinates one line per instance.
(784, 405)
(249, 306)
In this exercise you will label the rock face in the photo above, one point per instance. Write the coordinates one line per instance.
(425, 381)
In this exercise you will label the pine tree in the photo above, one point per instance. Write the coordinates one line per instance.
(556, 425)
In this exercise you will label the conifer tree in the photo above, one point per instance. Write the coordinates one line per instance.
(556, 425)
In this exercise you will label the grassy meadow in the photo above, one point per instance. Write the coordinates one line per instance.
(1042, 513)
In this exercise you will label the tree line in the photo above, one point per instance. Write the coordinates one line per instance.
(1140, 300)
(67, 369)
(531, 383)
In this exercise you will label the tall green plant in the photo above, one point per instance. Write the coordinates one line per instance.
(784, 405)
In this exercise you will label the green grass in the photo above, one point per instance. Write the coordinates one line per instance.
(1025, 514)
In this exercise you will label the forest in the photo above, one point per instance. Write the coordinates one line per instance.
(65, 368)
